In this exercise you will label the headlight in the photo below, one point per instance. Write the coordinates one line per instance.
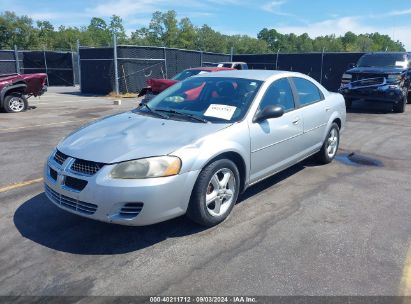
(147, 168)
(393, 78)
(347, 76)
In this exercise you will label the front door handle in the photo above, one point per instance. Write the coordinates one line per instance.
(296, 121)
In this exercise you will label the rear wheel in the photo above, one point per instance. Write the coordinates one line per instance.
(215, 193)
(409, 97)
(15, 103)
(330, 146)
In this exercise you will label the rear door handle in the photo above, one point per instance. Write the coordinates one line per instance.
(296, 121)
(327, 109)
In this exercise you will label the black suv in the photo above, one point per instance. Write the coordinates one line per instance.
(379, 77)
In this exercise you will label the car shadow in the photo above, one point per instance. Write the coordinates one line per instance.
(369, 107)
(42, 222)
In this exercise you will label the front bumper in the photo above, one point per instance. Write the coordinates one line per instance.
(385, 93)
(103, 197)
(42, 91)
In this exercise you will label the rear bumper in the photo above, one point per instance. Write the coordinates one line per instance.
(385, 93)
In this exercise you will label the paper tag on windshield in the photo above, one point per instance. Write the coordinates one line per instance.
(220, 111)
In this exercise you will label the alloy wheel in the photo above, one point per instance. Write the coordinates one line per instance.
(220, 192)
(332, 143)
(16, 104)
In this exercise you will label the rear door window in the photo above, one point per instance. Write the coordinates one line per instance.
(307, 91)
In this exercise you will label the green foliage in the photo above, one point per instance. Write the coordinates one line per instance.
(350, 42)
(165, 30)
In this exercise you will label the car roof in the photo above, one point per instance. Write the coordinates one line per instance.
(211, 69)
(262, 75)
(231, 62)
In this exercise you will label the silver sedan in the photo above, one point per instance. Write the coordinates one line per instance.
(194, 148)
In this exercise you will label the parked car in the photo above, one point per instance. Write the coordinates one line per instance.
(156, 86)
(175, 156)
(379, 77)
(15, 89)
(233, 65)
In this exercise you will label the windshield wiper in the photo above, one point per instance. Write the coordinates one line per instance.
(150, 110)
(192, 116)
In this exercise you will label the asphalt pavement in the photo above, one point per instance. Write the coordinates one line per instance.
(338, 229)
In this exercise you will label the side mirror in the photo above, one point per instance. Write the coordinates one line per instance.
(352, 65)
(268, 112)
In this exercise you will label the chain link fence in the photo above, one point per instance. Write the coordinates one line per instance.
(59, 66)
(101, 70)
(326, 68)
(135, 64)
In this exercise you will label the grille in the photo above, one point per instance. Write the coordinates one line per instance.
(53, 174)
(368, 82)
(367, 75)
(75, 183)
(60, 157)
(86, 167)
(70, 203)
(131, 210)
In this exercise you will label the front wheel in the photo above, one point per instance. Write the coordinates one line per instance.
(330, 147)
(215, 193)
(400, 106)
(15, 103)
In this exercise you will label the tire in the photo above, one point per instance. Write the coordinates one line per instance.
(219, 180)
(400, 107)
(325, 156)
(15, 103)
(348, 103)
(409, 97)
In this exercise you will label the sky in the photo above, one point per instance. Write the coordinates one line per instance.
(315, 17)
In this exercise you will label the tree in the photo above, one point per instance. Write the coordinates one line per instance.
(45, 34)
(116, 27)
(170, 29)
(187, 34)
(166, 30)
(17, 30)
(98, 32)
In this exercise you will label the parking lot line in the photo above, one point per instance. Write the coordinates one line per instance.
(19, 185)
(42, 125)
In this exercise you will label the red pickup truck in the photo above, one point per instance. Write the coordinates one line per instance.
(15, 89)
(156, 86)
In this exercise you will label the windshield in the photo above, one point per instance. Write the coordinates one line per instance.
(383, 60)
(187, 73)
(213, 99)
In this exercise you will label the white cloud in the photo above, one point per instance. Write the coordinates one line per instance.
(400, 13)
(340, 26)
(124, 8)
(272, 6)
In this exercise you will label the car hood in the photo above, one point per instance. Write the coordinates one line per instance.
(129, 136)
(376, 70)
